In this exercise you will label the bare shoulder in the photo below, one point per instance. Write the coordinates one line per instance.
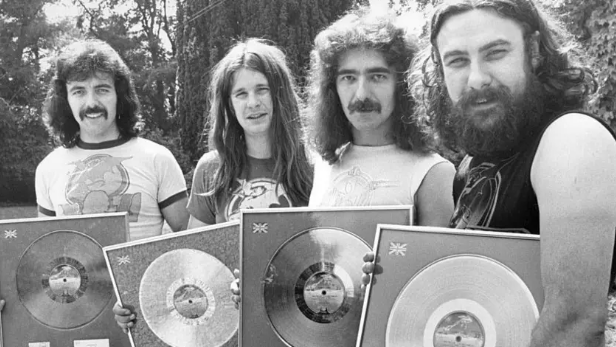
(442, 171)
(577, 152)
(575, 138)
(575, 130)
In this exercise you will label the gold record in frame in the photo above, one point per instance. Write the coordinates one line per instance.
(463, 300)
(62, 280)
(311, 288)
(185, 299)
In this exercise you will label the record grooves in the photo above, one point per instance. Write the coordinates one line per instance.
(311, 289)
(62, 279)
(463, 300)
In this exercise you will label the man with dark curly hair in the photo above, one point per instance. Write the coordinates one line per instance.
(359, 121)
(501, 82)
(102, 165)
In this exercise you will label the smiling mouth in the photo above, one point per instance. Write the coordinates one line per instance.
(481, 103)
(256, 116)
(94, 115)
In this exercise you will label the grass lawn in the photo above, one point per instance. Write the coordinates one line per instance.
(13, 212)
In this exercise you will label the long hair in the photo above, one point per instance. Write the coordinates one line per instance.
(292, 168)
(565, 81)
(329, 128)
(78, 62)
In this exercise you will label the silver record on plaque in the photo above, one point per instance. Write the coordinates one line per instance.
(62, 279)
(185, 300)
(463, 300)
(311, 288)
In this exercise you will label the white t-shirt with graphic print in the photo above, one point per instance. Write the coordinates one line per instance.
(371, 176)
(137, 176)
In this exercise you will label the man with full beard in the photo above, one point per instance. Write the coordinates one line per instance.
(102, 165)
(498, 83)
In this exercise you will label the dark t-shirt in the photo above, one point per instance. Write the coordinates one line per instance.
(255, 188)
(498, 194)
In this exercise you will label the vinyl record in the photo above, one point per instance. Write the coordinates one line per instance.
(311, 288)
(185, 299)
(463, 300)
(62, 279)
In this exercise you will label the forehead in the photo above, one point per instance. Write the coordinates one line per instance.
(95, 78)
(469, 31)
(246, 78)
(362, 59)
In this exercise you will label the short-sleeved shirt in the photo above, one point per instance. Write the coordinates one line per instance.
(371, 176)
(255, 188)
(132, 175)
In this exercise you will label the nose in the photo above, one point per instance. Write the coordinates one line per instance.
(363, 89)
(253, 100)
(91, 100)
(478, 77)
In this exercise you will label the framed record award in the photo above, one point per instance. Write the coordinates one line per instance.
(301, 273)
(55, 281)
(177, 285)
(437, 287)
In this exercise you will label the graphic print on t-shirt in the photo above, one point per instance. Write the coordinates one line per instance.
(483, 183)
(256, 193)
(354, 188)
(97, 185)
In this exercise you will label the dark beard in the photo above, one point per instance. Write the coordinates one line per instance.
(517, 118)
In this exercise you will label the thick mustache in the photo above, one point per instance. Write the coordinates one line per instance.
(96, 109)
(364, 106)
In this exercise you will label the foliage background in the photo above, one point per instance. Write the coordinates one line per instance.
(171, 45)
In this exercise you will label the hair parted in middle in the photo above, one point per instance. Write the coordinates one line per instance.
(328, 127)
(292, 168)
(566, 81)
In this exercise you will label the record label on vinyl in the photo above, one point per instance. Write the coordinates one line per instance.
(191, 301)
(459, 329)
(65, 281)
(320, 292)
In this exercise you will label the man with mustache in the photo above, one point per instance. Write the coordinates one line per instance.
(358, 117)
(499, 83)
(102, 165)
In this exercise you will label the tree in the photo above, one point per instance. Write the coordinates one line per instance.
(594, 24)
(28, 39)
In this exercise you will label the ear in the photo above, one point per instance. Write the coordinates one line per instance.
(535, 56)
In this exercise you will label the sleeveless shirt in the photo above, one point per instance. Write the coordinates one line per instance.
(497, 195)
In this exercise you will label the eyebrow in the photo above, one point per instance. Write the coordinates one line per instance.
(79, 86)
(378, 69)
(257, 86)
(487, 46)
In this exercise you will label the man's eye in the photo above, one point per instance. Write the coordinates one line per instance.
(263, 90)
(347, 78)
(379, 77)
(240, 94)
(457, 62)
(496, 53)
(77, 92)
